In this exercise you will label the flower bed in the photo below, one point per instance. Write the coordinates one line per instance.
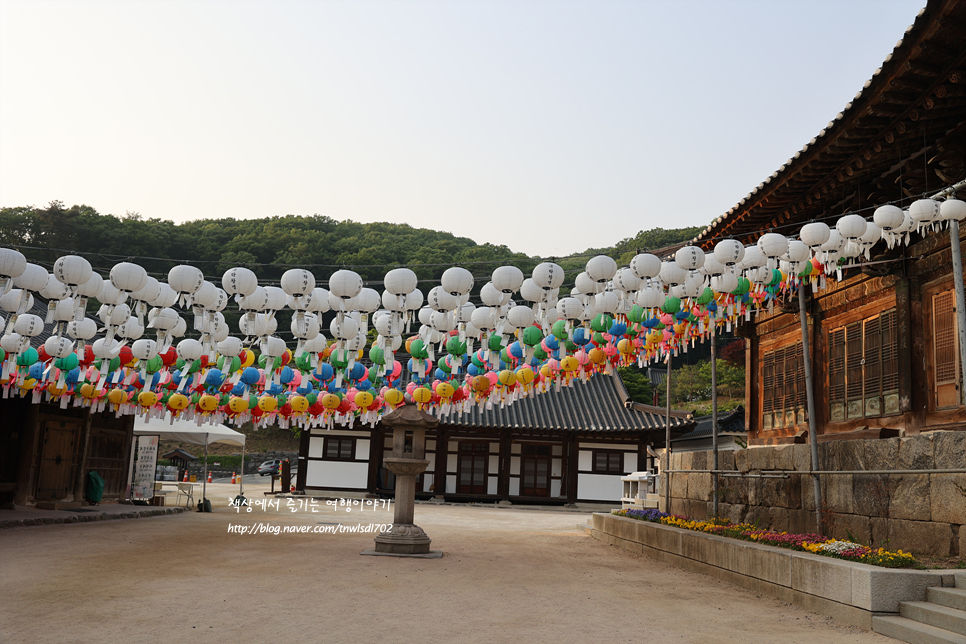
(814, 543)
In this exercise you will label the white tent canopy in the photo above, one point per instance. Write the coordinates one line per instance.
(188, 432)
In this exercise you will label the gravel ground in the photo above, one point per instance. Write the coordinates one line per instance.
(506, 576)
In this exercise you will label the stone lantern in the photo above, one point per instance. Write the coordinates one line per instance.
(408, 461)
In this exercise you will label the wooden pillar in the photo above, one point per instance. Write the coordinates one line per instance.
(503, 478)
(439, 471)
(376, 442)
(83, 451)
(641, 453)
(919, 388)
(303, 461)
(572, 462)
(904, 348)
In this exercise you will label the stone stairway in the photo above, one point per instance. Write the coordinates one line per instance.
(941, 619)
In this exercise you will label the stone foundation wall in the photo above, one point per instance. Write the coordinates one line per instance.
(922, 513)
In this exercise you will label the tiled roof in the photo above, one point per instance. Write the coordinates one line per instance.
(732, 422)
(601, 404)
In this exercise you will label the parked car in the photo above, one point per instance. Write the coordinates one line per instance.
(269, 467)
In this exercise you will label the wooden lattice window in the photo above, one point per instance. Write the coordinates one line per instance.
(783, 387)
(946, 371)
(863, 368)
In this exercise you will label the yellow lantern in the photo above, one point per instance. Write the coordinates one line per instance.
(87, 390)
(525, 375)
(422, 395)
(331, 401)
(238, 404)
(625, 346)
(569, 364)
(546, 371)
(363, 399)
(117, 397)
(267, 403)
(178, 402)
(299, 404)
(147, 399)
(597, 356)
(208, 402)
(507, 378)
(444, 390)
(393, 397)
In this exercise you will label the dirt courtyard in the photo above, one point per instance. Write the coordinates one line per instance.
(506, 575)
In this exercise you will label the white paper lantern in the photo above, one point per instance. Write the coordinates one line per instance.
(672, 274)
(690, 258)
(601, 268)
(569, 308)
(888, 217)
(144, 349)
(924, 212)
(625, 280)
(148, 292)
(507, 279)
(729, 252)
(72, 270)
(606, 302)
(712, 266)
(33, 278)
(273, 347)
(131, 329)
(345, 330)
(773, 245)
(166, 297)
(206, 295)
(871, 236)
(441, 300)
(952, 210)
(367, 300)
(239, 281)
(646, 265)
(12, 263)
(297, 282)
(257, 325)
(276, 298)
(456, 281)
(814, 234)
(311, 329)
(392, 302)
(414, 300)
(650, 298)
(128, 277)
(163, 319)
(851, 226)
(400, 281)
(797, 252)
(63, 309)
(54, 289)
(190, 349)
(11, 342)
(185, 279)
(29, 325)
(586, 284)
(110, 295)
(58, 347)
(484, 318)
(13, 300)
(82, 329)
(753, 257)
(345, 284)
(442, 321)
(520, 317)
(317, 301)
(531, 292)
(230, 347)
(464, 313)
(548, 275)
(835, 242)
(725, 283)
(178, 330)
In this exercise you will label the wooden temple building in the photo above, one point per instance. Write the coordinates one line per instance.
(883, 342)
(560, 447)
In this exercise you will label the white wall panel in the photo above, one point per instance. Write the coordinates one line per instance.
(491, 485)
(599, 487)
(555, 488)
(514, 487)
(585, 460)
(514, 465)
(336, 474)
(451, 484)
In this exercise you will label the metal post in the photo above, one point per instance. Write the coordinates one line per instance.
(241, 481)
(714, 420)
(204, 479)
(667, 442)
(810, 397)
(960, 302)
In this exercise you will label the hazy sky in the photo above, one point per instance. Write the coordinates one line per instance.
(548, 126)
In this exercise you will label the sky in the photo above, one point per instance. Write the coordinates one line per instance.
(546, 126)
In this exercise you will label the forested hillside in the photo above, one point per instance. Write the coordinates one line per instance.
(274, 244)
